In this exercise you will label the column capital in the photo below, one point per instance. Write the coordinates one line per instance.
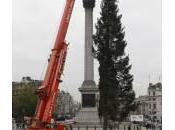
(88, 3)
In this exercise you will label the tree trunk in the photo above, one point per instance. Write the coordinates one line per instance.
(105, 123)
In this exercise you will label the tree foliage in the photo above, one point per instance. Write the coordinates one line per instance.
(115, 83)
(24, 103)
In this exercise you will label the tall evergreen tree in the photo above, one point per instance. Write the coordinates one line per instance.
(115, 83)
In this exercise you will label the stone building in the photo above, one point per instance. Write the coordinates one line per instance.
(66, 105)
(155, 101)
(21, 91)
(18, 87)
(142, 102)
(150, 105)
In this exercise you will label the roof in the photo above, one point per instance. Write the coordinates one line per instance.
(154, 86)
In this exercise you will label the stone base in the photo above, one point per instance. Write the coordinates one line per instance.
(87, 117)
(88, 86)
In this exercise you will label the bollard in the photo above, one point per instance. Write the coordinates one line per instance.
(95, 127)
(78, 128)
(71, 127)
(86, 127)
(129, 127)
(134, 127)
(138, 127)
(124, 127)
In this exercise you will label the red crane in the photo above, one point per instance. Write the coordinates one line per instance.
(48, 92)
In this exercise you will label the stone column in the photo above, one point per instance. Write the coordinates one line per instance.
(88, 88)
(88, 59)
(88, 115)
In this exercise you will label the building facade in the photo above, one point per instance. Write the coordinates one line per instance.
(150, 105)
(66, 106)
(155, 102)
(19, 87)
(142, 102)
(65, 103)
(23, 97)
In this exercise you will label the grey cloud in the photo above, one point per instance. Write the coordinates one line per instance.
(35, 24)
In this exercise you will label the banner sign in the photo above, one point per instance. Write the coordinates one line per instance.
(136, 118)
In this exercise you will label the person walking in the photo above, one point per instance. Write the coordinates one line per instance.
(129, 127)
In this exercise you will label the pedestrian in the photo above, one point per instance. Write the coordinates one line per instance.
(137, 127)
(129, 127)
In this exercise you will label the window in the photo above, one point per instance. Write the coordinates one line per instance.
(154, 106)
(153, 93)
(154, 118)
(149, 106)
(149, 93)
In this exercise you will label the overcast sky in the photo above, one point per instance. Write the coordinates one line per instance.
(35, 25)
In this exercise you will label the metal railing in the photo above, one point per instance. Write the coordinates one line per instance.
(22, 126)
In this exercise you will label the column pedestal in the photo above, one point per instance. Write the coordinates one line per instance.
(88, 115)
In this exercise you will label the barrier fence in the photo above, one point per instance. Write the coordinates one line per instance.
(22, 126)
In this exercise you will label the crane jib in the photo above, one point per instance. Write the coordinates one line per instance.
(49, 90)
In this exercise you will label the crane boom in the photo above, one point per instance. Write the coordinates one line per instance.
(48, 91)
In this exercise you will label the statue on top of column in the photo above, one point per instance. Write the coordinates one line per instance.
(88, 3)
